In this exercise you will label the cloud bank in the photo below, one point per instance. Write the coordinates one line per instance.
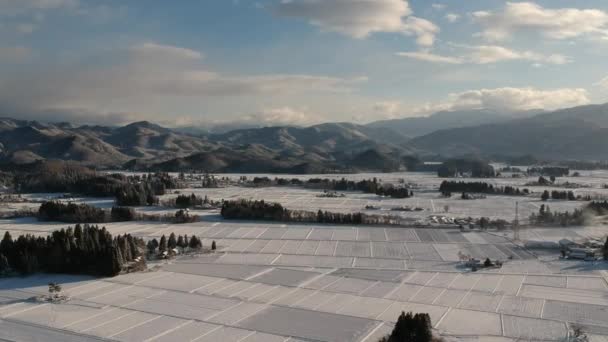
(359, 19)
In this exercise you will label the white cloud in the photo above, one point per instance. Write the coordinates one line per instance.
(507, 99)
(486, 54)
(603, 83)
(562, 23)
(513, 99)
(452, 17)
(359, 19)
(431, 57)
(281, 116)
(164, 52)
(438, 7)
(388, 109)
(152, 73)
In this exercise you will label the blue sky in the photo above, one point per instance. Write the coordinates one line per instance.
(298, 61)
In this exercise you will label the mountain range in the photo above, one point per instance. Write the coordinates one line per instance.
(577, 133)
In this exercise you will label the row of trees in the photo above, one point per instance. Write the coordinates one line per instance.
(472, 167)
(84, 213)
(558, 195)
(59, 176)
(546, 217)
(71, 212)
(167, 245)
(260, 210)
(82, 250)
(555, 171)
(191, 201)
(369, 186)
(447, 187)
(598, 207)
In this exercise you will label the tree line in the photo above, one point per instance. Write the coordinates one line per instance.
(84, 213)
(447, 187)
(547, 217)
(57, 176)
(166, 246)
(559, 195)
(260, 210)
(368, 186)
(598, 207)
(457, 167)
(82, 250)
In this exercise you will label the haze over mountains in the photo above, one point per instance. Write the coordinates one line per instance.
(577, 133)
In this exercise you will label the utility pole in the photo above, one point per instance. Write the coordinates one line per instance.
(516, 223)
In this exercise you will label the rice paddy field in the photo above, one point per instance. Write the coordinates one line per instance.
(312, 282)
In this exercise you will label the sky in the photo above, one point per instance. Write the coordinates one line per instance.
(300, 62)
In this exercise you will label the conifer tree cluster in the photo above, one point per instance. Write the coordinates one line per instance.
(547, 217)
(598, 207)
(480, 187)
(184, 243)
(81, 250)
(260, 210)
(411, 328)
(71, 212)
(84, 213)
(558, 195)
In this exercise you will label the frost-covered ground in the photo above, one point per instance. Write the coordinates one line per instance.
(309, 282)
(276, 282)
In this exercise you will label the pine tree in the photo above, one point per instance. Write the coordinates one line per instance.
(180, 242)
(423, 330)
(404, 328)
(606, 249)
(213, 246)
(151, 247)
(172, 243)
(195, 242)
(545, 196)
(162, 246)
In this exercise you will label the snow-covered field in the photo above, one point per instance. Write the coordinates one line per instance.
(309, 282)
(338, 283)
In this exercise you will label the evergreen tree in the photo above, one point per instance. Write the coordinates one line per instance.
(213, 246)
(4, 265)
(606, 249)
(195, 242)
(411, 328)
(545, 196)
(423, 331)
(172, 243)
(151, 247)
(180, 242)
(162, 246)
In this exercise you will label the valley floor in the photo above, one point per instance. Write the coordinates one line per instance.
(275, 282)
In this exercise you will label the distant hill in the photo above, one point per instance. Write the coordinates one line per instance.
(325, 137)
(27, 141)
(418, 126)
(579, 133)
(147, 146)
